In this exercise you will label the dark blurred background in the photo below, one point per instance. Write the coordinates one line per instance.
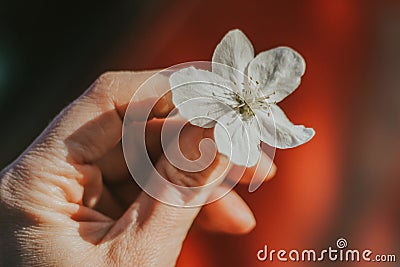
(344, 183)
(50, 51)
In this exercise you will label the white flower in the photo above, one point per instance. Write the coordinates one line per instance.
(239, 98)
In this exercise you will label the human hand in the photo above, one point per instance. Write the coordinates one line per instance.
(69, 199)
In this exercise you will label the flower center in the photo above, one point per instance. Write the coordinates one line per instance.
(251, 98)
(243, 107)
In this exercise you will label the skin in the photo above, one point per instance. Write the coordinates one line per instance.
(69, 200)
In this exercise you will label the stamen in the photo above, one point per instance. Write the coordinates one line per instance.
(226, 96)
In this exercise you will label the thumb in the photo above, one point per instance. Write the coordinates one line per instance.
(151, 232)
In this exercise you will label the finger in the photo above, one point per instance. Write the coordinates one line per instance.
(92, 124)
(113, 165)
(89, 127)
(114, 169)
(116, 173)
(150, 107)
(263, 171)
(91, 136)
(229, 214)
(166, 224)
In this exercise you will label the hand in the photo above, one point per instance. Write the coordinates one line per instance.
(69, 199)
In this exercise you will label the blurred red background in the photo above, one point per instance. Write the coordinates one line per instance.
(307, 204)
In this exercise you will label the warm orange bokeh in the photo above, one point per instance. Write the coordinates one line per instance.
(297, 209)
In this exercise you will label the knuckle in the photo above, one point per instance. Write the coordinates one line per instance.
(108, 77)
(104, 82)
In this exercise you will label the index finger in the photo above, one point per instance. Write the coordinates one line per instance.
(92, 125)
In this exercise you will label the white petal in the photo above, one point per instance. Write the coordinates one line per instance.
(237, 139)
(234, 50)
(199, 93)
(287, 135)
(277, 70)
